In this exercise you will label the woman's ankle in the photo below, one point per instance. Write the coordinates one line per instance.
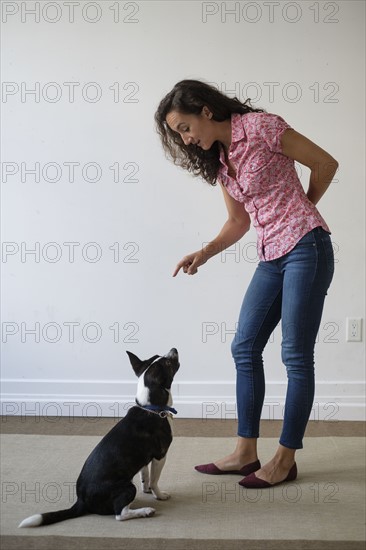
(246, 449)
(235, 461)
(285, 456)
(246, 458)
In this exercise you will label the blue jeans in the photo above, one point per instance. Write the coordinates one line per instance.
(291, 288)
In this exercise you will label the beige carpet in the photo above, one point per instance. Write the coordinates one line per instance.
(324, 508)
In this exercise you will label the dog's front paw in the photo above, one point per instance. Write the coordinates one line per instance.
(146, 489)
(160, 495)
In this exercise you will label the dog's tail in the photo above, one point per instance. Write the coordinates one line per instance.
(77, 510)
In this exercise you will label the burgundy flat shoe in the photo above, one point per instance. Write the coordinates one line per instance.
(254, 482)
(215, 471)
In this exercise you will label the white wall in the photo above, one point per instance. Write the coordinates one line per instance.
(302, 60)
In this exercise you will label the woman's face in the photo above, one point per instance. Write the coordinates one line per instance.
(196, 129)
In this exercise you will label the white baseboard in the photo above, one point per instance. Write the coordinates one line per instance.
(53, 399)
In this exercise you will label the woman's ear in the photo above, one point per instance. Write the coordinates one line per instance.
(206, 112)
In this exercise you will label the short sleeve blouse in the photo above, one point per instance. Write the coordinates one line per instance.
(267, 184)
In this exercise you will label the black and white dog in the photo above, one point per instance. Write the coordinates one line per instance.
(143, 436)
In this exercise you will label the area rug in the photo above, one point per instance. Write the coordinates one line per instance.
(324, 508)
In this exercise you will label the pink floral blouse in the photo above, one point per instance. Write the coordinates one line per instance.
(267, 183)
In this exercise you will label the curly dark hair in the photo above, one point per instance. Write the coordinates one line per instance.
(189, 97)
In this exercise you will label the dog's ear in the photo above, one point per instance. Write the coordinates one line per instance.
(138, 365)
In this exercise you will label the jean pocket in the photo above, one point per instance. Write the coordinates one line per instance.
(308, 239)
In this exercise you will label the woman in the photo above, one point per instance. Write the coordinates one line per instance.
(251, 154)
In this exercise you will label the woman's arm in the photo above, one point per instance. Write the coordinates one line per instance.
(237, 224)
(322, 165)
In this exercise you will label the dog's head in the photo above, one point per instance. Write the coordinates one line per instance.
(155, 377)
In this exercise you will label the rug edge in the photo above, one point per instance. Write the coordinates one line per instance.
(11, 542)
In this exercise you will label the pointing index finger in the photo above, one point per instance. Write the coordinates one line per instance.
(177, 269)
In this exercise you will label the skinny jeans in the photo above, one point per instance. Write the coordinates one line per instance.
(292, 289)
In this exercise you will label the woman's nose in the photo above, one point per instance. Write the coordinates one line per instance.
(187, 140)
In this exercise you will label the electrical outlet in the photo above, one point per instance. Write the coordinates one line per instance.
(354, 330)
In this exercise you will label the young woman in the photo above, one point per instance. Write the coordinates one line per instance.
(251, 154)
